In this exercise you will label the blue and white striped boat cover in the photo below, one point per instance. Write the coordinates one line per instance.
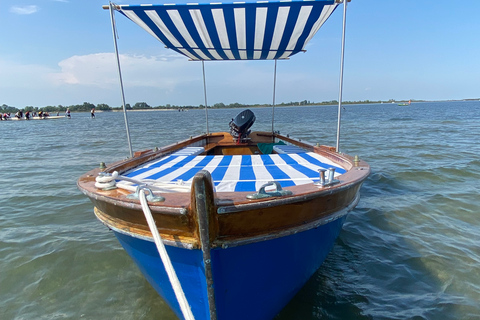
(263, 30)
(238, 172)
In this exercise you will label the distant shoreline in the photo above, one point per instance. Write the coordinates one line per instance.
(101, 108)
(307, 105)
(136, 110)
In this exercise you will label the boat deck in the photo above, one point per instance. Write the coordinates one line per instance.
(235, 173)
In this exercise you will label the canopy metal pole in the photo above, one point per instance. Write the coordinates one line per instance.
(341, 74)
(112, 17)
(205, 93)
(274, 88)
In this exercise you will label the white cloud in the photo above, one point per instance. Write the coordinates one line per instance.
(24, 9)
(166, 78)
(154, 79)
(100, 70)
(94, 77)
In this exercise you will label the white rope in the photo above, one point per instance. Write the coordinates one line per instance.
(105, 185)
(156, 187)
(172, 276)
(159, 186)
(108, 180)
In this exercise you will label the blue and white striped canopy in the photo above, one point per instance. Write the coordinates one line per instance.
(233, 31)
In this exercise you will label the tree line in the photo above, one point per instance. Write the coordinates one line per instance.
(86, 106)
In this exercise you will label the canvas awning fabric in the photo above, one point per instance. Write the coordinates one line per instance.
(263, 30)
(237, 173)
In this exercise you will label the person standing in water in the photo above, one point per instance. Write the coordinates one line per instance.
(67, 113)
(92, 113)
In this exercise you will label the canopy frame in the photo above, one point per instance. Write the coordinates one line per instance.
(263, 30)
(114, 32)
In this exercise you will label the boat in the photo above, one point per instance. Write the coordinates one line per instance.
(228, 225)
(405, 103)
(13, 118)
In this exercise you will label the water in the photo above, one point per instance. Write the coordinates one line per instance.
(410, 250)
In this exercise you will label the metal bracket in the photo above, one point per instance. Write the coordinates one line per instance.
(262, 194)
(329, 180)
(150, 197)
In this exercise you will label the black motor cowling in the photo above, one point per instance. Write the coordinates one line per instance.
(241, 123)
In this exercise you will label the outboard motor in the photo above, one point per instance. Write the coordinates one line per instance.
(240, 124)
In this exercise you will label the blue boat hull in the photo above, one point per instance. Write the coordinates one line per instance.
(251, 281)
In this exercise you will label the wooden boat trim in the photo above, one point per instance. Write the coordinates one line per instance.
(121, 227)
(203, 203)
(282, 233)
(235, 219)
(189, 243)
(219, 139)
(134, 204)
(301, 193)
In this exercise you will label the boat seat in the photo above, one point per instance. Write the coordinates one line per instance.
(287, 148)
(189, 151)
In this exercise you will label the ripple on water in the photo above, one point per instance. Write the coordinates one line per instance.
(408, 251)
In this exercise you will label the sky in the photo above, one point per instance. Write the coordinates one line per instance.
(61, 52)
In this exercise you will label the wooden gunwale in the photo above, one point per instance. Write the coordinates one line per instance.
(226, 242)
(192, 241)
(237, 219)
(136, 231)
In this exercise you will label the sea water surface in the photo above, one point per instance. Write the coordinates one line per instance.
(410, 250)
